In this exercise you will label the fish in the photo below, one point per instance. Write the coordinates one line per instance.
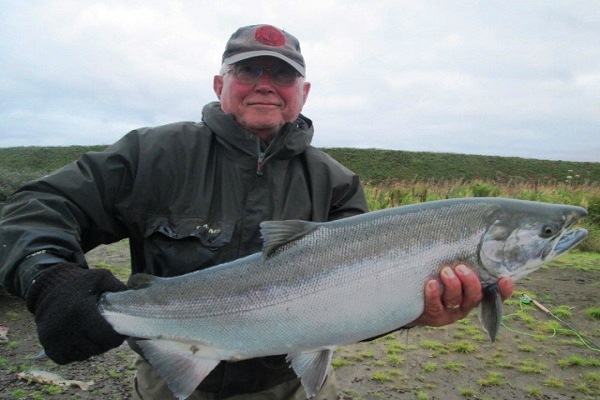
(50, 378)
(319, 285)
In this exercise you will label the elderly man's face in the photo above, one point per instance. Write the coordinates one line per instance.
(264, 106)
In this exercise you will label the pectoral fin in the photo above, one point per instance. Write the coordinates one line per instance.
(182, 365)
(141, 281)
(490, 310)
(312, 368)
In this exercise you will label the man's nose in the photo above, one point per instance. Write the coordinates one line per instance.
(264, 82)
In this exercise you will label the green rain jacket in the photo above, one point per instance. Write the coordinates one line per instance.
(188, 196)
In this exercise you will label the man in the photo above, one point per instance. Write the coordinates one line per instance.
(189, 196)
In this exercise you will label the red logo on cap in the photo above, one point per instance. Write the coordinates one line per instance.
(270, 36)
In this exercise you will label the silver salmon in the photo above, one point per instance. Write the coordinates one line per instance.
(319, 285)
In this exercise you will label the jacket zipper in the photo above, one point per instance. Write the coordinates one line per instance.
(261, 158)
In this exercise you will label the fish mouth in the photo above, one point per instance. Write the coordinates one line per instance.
(567, 240)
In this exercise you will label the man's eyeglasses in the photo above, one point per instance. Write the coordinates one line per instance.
(249, 74)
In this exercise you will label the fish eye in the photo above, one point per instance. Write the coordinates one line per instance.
(549, 230)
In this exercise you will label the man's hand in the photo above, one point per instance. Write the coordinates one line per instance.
(461, 293)
(64, 300)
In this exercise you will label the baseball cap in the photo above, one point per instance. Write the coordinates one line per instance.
(263, 40)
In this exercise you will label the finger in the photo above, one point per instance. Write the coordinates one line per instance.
(471, 286)
(433, 305)
(433, 298)
(452, 296)
(434, 311)
(506, 287)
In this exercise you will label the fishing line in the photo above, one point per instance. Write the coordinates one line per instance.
(524, 299)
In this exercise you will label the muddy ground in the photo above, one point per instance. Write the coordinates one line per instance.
(534, 357)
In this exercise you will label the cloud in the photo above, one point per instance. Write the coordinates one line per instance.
(504, 78)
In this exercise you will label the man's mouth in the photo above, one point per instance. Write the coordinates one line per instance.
(263, 104)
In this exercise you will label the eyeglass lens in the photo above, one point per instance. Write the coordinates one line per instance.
(251, 73)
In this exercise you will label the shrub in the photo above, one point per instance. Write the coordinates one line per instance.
(483, 189)
(11, 180)
(594, 210)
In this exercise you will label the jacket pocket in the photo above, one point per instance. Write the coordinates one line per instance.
(177, 247)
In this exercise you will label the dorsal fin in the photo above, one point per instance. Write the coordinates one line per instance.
(140, 281)
(278, 233)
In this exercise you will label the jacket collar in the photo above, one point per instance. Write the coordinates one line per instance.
(293, 138)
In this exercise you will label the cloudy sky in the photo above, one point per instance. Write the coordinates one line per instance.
(510, 78)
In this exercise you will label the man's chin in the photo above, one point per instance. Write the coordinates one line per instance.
(263, 129)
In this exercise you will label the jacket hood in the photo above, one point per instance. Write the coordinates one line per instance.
(293, 138)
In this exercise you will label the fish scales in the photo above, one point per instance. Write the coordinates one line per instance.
(319, 285)
(322, 285)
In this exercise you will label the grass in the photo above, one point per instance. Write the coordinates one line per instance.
(531, 366)
(378, 165)
(589, 384)
(114, 373)
(351, 394)
(503, 364)
(53, 389)
(554, 382)
(467, 392)
(492, 379)
(395, 360)
(11, 315)
(19, 394)
(340, 362)
(533, 391)
(422, 395)
(394, 347)
(593, 313)
(381, 377)
(562, 311)
(453, 366)
(434, 346)
(375, 165)
(463, 347)
(526, 348)
(577, 361)
(430, 367)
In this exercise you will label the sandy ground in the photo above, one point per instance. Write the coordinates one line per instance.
(534, 356)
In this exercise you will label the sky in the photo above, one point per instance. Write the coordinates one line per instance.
(507, 78)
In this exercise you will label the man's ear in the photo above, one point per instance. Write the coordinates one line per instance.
(305, 91)
(218, 85)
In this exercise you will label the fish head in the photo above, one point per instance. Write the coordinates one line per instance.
(526, 235)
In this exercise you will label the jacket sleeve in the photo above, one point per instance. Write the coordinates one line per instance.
(348, 199)
(336, 191)
(61, 216)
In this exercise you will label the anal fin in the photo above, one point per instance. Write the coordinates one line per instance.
(178, 364)
(312, 368)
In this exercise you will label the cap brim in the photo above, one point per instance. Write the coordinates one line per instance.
(261, 53)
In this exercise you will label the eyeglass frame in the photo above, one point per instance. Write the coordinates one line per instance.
(232, 67)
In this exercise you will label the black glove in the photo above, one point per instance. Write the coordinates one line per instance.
(64, 300)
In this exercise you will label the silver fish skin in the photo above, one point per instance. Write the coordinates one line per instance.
(316, 286)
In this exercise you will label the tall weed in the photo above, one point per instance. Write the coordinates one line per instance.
(393, 194)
